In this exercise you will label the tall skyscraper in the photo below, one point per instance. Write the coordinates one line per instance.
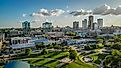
(95, 26)
(84, 24)
(47, 26)
(100, 23)
(75, 25)
(26, 27)
(90, 22)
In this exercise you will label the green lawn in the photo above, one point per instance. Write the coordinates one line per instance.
(53, 64)
(78, 64)
(48, 60)
(60, 55)
(51, 60)
(42, 62)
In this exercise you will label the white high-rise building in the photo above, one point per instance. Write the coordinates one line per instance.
(84, 24)
(100, 23)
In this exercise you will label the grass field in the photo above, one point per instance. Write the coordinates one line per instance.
(78, 64)
(51, 60)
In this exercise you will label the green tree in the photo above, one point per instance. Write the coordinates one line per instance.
(28, 51)
(87, 47)
(57, 46)
(117, 38)
(71, 33)
(111, 40)
(44, 51)
(117, 46)
(114, 60)
(50, 46)
(100, 45)
(40, 45)
(116, 53)
(73, 55)
(100, 40)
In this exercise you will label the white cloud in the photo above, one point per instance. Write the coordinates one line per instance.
(57, 12)
(68, 11)
(102, 10)
(24, 15)
(109, 11)
(46, 13)
(80, 12)
(118, 10)
(106, 10)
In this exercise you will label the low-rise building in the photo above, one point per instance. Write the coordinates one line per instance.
(117, 32)
(56, 34)
(66, 29)
(15, 32)
(82, 34)
(20, 40)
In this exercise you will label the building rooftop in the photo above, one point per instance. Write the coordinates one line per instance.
(26, 45)
(18, 38)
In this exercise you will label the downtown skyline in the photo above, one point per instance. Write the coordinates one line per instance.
(59, 12)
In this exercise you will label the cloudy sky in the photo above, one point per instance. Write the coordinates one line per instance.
(59, 12)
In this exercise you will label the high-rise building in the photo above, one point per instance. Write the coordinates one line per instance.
(95, 26)
(26, 27)
(84, 24)
(2, 38)
(47, 26)
(90, 22)
(100, 23)
(75, 25)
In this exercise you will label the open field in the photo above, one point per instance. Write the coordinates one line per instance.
(51, 60)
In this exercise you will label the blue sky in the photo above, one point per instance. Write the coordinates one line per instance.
(11, 11)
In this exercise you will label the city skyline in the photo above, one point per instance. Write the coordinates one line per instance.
(61, 12)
